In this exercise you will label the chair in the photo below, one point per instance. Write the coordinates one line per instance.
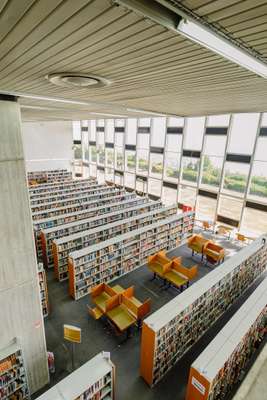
(95, 312)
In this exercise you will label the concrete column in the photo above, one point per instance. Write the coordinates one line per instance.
(20, 312)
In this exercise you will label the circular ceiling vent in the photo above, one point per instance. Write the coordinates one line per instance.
(78, 80)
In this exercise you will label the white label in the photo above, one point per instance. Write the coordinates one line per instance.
(198, 385)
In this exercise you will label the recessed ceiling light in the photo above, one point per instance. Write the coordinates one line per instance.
(78, 80)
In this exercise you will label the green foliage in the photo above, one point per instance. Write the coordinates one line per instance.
(142, 164)
(131, 160)
(259, 186)
(157, 168)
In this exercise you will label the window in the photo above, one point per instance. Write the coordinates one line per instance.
(194, 131)
(254, 221)
(100, 148)
(119, 139)
(142, 162)
(211, 172)
(85, 140)
(92, 170)
(93, 154)
(158, 132)
(169, 196)
(235, 178)
(141, 186)
(130, 160)
(77, 151)
(76, 128)
(129, 180)
(230, 207)
(143, 140)
(214, 145)
(144, 121)
(258, 184)
(261, 149)
(156, 165)
(92, 130)
(118, 180)
(243, 133)
(218, 120)
(175, 122)
(190, 169)
(187, 196)
(174, 143)
(100, 176)
(206, 208)
(131, 131)
(171, 166)
(119, 158)
(110, 157)
(154, 187)
(109, 131)
(109, 174)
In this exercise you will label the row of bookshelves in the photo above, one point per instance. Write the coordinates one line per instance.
(108, 260)
(43, 290)
(36, 177)
(223, 362)
(57, 191)
(13, 379)
(94, 380)
(84, 191)
(169, 333)
(47, 187)
(64, 246)
(79, 198)
(78, 206)
(82, 212)
(99, 218)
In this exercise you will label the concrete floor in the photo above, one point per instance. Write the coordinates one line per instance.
(97, 336)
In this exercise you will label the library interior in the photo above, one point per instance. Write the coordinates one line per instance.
(133, 200)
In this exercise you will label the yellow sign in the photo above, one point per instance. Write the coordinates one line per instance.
(72, 333)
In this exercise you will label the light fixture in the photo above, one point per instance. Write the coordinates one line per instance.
(221, 46)
(36, 107)
(136, 110)
(78, 80)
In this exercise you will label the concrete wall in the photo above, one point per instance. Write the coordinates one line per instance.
(21, 314)
(47, 145)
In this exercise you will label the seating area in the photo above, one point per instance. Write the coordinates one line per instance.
(171, 271)
(213, 253)
(119, 306)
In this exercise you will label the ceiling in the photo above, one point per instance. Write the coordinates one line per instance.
(150, 66)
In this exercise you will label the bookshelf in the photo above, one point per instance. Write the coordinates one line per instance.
(169, 333)
(82, 198)
(48, 187)
(48, 235)
(43, 289)
(94, 380)
(49, 176)
(13, 379)
(65, 195)
(79, 206)
(219, 367)
(57, 191)
(64, 246)
(82, 212)
(108, 260)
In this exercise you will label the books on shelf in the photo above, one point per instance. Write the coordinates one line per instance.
(94, 380)
(43, 289)
(47, 187)
(108, 260)
(79, 198)
(64, 246)
(173, 329)
(36, 177)
(67, 215)
(78, 206)
(91, 190)
(13, 379)
(223, 362)
(100, 218)
(58, 190)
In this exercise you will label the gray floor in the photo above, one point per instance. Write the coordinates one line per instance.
(96, 336)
